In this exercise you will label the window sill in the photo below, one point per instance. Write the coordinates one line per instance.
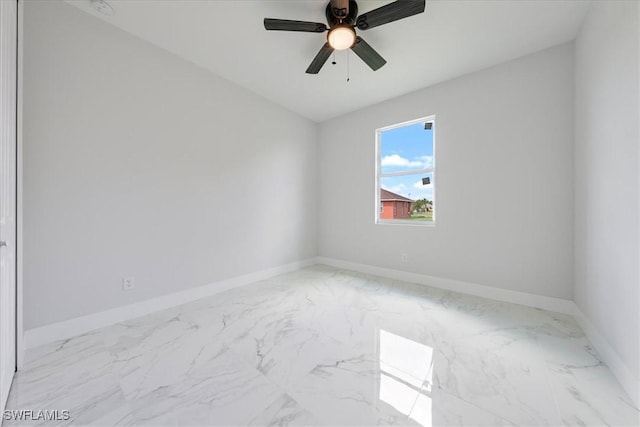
(406, 222)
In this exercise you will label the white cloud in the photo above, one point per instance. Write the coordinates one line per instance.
(399, 161)
(427, 161)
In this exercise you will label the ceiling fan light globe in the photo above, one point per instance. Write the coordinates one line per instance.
(341, 37)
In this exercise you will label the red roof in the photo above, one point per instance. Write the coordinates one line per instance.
(388, 196)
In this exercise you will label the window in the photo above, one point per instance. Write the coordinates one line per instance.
(405, 173)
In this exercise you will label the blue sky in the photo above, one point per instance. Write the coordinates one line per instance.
(403, 149)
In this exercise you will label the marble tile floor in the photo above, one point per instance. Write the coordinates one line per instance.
(322, 346)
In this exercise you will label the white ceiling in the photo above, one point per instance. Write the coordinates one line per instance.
(450, 39)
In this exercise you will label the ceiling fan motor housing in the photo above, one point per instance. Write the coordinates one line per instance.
(349, 19)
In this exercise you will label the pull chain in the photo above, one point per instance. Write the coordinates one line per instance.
(334, 52)
(348, 67)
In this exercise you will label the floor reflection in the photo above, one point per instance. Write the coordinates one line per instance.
(406, 370)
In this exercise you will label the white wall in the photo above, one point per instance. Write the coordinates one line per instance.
(137, 163)
(607, 254)
(504, 180)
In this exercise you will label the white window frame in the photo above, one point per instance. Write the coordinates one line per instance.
(379, 175)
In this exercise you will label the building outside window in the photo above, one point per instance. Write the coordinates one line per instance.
(405, 173)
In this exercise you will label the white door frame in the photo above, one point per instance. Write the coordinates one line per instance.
(10, 234)
(20, 344)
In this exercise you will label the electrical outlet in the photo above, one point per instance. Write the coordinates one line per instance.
(404, 258)
(128, 283)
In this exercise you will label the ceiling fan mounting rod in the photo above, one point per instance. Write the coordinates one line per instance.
(344, 15)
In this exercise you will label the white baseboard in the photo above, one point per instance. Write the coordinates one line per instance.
(80, 325)
(538, 301)
(610, 357)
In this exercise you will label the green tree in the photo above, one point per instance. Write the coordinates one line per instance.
(419, 205)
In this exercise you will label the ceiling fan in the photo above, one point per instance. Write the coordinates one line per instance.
(342, 17)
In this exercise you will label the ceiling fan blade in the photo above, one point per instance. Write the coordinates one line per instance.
(391, 12)
(368, 54)
(288, 25)
(340, 8)
(320, 59)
